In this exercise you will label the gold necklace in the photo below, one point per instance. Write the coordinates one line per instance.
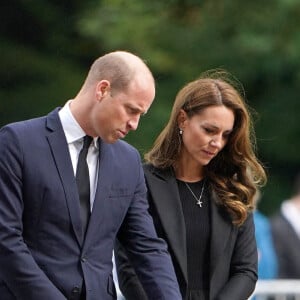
(199, 202)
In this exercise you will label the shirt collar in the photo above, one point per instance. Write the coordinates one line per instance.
(72, 129)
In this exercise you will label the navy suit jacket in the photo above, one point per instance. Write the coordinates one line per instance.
(43, 254)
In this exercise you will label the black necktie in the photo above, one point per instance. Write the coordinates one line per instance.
(83, 182)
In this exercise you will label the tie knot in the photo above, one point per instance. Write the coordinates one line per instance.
(87, 141)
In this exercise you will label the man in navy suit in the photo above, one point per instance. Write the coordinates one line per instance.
(44, 251)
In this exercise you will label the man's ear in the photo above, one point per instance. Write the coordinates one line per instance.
(102, 89)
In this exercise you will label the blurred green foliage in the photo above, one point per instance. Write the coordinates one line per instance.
(47, 47)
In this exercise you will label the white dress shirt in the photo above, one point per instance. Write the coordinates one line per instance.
(74, 135)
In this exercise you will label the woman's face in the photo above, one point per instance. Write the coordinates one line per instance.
(205, 134)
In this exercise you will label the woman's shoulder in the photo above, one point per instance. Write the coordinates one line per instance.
(151, 170)
(148, 166)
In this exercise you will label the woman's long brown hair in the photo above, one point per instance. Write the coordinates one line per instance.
(235, 173)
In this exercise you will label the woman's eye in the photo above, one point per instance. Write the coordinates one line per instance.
(208, 130)
(226, 135)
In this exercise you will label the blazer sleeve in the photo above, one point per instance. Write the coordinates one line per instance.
(129, 283)
(243, 266)
(18, 270)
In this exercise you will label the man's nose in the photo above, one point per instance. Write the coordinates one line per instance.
(133, 123)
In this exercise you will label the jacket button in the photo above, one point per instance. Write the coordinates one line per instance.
(75, 290)
(83, 259)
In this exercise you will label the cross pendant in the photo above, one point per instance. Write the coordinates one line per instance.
(199, 203)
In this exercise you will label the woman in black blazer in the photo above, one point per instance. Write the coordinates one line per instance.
(202, 175)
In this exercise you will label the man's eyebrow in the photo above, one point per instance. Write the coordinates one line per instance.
(138, 110)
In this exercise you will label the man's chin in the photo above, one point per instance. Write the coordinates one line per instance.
(111, 139)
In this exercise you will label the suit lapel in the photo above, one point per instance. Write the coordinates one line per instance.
(60, 152)
(221, 231)
(105, 173)
(165, 195)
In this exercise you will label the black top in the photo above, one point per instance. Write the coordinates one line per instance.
(198, 228)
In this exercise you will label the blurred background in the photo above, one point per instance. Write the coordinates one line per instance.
(47, 47)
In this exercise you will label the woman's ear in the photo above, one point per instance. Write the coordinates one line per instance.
(182, 117)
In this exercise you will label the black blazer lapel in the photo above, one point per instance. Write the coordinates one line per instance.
(221, 230)
(165, 196)
(61, 155)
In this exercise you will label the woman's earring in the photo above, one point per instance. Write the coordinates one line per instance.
(180, 131)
